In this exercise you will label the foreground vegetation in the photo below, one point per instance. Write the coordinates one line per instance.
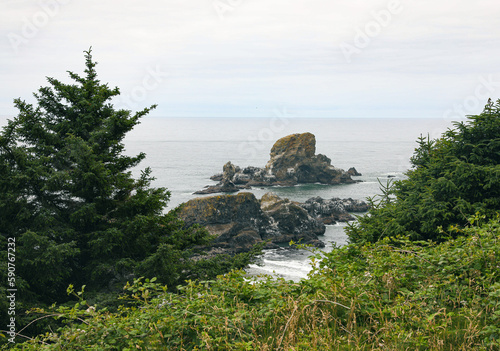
(391, 295)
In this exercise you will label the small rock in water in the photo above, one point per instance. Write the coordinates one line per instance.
(353, 172)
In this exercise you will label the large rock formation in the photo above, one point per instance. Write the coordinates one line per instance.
(241, 221)
(292, 161)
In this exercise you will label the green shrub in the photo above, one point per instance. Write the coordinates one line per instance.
(452, 178)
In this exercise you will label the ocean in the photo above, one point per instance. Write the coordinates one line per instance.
(184, 153)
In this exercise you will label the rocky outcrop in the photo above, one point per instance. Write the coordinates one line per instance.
(334, 210)
(241, 221)
(226, 183)
(293, 221)
(353, 172)
(293, 160)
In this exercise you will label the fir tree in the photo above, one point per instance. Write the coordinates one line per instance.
(68, 197)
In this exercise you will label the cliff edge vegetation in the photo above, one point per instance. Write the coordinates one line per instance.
(452, 178)
(394, 294)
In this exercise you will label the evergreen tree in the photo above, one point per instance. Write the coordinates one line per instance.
(452, 178)
(68, 197)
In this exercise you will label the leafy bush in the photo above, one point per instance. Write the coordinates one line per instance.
(452, 178)
(390, 295)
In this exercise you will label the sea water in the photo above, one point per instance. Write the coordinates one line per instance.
(184, 153)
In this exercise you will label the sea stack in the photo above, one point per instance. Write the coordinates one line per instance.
(293, 160)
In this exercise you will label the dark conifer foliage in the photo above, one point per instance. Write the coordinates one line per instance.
(68, 197)
(452, 178)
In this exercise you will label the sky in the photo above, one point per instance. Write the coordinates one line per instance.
(261, 58)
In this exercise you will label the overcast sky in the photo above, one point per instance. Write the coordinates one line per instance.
(249, 58)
